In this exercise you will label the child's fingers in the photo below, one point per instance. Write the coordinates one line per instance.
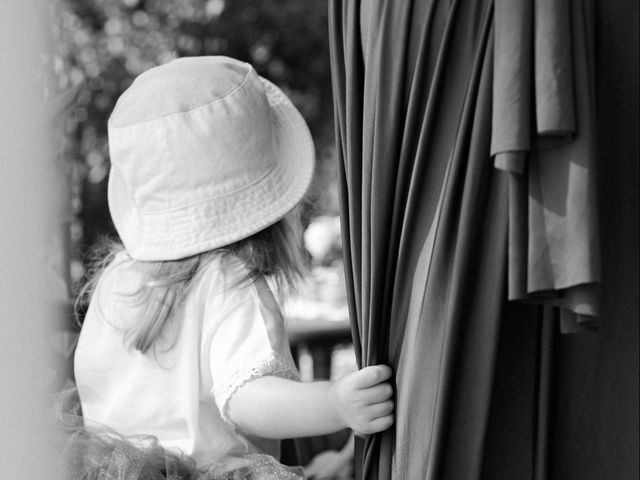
(376, 394)
(378, 425)
(382, 409)
(372, 375)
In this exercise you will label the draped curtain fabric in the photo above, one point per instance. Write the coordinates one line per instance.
(543, 131)
(437, 238)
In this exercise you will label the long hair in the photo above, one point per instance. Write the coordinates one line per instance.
(275, 253)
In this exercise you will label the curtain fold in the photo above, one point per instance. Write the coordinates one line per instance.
(430, 97)
(543, 134)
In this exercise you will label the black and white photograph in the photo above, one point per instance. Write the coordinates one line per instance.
(319, 239)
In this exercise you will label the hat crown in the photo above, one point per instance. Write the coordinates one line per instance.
(178, 87)
(191, 130)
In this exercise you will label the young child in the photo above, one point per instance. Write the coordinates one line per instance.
(183, 349)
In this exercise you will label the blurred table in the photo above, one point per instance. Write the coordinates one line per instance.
(316, 334)
(316, 327)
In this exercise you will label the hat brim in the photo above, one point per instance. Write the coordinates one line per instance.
(180, 233)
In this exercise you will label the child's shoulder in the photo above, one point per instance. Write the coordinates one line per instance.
(224, 273)
(121, 272)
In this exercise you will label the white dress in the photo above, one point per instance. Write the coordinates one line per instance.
(177, 394)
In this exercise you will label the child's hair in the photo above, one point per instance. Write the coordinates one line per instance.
(275, 253)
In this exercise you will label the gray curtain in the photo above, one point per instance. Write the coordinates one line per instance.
(466, 141)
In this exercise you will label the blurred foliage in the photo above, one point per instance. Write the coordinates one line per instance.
(101, 45)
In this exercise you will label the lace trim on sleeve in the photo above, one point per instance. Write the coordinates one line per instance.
(275, 365)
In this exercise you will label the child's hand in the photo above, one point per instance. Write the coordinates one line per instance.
(363, 399)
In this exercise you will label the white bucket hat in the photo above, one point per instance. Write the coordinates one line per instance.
(204, 152)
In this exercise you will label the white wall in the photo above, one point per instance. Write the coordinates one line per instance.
(28, 196)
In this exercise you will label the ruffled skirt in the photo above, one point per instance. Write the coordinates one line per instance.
(97, 453)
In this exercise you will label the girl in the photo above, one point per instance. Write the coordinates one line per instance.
(182, 363)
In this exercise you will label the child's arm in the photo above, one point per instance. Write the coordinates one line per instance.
(273, 407)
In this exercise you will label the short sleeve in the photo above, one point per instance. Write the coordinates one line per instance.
(249, 342)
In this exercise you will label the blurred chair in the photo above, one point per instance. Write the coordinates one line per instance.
(314, 344)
